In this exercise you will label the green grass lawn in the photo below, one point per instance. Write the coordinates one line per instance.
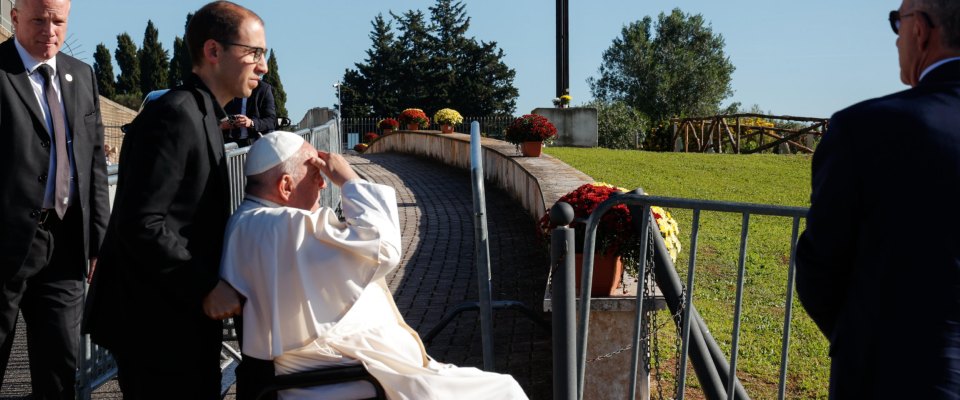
(759, 178)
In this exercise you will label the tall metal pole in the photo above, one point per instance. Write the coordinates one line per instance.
(482, 247)
(563, 48)
(339, 111)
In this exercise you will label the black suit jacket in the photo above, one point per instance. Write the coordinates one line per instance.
(878, 266)
(25, 156)
(261, 109)
(161, 256)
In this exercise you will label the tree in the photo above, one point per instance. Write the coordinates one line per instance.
(379, 76)
(675, 67)
(128, 82)
(154, 61)
(103, 69)
(413, 71)
(619, 126)
(430, 65)
(273, 78)
(175, 74)
(181, 65)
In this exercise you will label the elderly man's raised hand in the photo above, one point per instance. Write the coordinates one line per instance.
(334, 167)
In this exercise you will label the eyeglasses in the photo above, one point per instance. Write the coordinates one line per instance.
(257, 52)
(895, 18)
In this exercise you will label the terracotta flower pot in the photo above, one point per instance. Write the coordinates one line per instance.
(531, 149)
(387, 131)
(446, 128)
(413, 127)
(607, 272)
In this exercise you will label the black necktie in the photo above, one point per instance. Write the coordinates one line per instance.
(62, 184)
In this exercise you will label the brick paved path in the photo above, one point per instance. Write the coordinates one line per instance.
(437, 273)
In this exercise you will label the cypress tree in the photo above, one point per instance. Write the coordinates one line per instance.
(154, 61)
(273, 78)
(103, 69)
(175, 75)
(128, 82)
(186, 63)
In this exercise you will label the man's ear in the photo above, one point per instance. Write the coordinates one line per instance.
(285, 187)
(212, 51)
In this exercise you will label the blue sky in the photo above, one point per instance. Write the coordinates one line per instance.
(804, 58)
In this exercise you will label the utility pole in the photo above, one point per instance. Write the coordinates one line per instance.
(563, 48)
(337, 86)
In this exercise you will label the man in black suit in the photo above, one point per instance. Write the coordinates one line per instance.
(254, 116)
(55, 206)
(157, 300)
(878, 267)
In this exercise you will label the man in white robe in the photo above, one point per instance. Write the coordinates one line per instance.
(314, 288)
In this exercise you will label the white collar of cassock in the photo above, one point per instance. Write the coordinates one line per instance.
(262, 202)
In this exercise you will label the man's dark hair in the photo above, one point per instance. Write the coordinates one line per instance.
(220, 21)
(946, 15)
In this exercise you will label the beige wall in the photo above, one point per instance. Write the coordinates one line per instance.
(114, 116)
(6, 27)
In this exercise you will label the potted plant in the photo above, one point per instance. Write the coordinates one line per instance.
(360, 147)
(388, 125)
(447, 118)
(617, 244)
(414, 119)
(565, 101)
(529, 133)
(370, 136)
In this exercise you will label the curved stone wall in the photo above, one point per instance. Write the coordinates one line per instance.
(535, 182)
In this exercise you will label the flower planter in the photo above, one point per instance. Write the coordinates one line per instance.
(607, 272)
(531, 149)
(413, 127)
(387, 131)
(446, 128)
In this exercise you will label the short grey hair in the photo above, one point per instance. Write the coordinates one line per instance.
(944, 14)
(257, 184)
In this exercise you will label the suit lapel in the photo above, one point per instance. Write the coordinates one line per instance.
(20, 80)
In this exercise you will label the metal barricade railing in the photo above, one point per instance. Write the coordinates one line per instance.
(717, 377)
(96, 366)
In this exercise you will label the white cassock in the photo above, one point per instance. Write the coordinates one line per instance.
(316, 297)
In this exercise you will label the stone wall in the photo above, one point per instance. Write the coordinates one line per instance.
(576, 127)
(535, 182)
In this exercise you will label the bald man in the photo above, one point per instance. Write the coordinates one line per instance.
(55, 203)
(889, 303)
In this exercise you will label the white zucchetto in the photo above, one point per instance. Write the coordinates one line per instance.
(271, 150)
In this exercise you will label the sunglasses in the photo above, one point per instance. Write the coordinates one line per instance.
(257, 52)
(895, 18)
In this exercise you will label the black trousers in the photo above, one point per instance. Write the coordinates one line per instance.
(174, 354)
(48, 290)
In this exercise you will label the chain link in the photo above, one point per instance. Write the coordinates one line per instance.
(610, 354)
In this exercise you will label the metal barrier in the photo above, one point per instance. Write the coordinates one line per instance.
(717, 377)
(96, 366)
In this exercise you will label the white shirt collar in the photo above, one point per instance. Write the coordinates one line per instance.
(261, 202)
(31, 63)
(935, 65)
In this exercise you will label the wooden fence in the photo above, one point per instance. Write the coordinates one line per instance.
(747, 133)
